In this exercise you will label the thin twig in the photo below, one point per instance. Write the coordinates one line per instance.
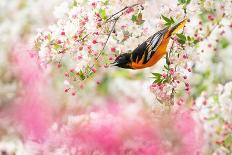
(134, 5)
(112, 29)
(215, 26)
(209, 33)
(104, 46)
(82, 39)
(168, 63)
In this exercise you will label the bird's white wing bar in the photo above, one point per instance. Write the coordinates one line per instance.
(154, 44)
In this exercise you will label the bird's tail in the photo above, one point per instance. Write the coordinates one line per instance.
(177, 27)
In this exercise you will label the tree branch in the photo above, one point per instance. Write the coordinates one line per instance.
(104, 46)
(134, 5)
(111, 18)
(105, 43)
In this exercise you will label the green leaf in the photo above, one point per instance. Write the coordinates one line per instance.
(134, 18)
(102, 13)
(56, 46)
(228, 141)
(103, 87)
(215, 59)
(74, 3)
(203, 16)
(195, 41)
(216, 98)
(172, 20)
(164, 81)
(182, 1)
(169, 21)
(224, 43)
(139, 20)
(22, 5)
(166, 19)
(106, 2)
(81, 75)
(181, 38)
(206, 74)
(126, 35)
(212, 118)
(188, 1)
(156, 74)
(49, 37)
(158, 81)
(201, 88)
(181, 42)
(166, 67)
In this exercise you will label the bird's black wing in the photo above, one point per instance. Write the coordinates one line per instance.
(148, 47)
(153, 43)
(138, 53)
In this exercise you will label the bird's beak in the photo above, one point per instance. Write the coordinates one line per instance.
(114, 63)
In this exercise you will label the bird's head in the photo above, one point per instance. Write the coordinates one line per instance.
(123, 61)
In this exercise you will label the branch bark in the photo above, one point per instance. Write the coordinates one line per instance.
(134, 5)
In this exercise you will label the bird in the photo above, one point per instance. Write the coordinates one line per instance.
(150, 51)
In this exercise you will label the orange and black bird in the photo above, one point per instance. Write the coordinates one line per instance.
(149, 52)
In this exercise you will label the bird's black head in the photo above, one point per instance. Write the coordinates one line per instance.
(123, 61)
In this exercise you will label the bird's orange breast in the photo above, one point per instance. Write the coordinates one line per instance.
(160, 52)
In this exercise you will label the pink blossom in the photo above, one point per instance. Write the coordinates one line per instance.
(114, 129)
(105, 129)
(32, 110)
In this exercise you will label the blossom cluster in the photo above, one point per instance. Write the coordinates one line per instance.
(39, 125)
(180, 54)
(205, 32)
(215, 112)
(210, 79)
(88, 36)
(21, 14)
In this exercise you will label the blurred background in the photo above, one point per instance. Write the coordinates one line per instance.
(115, 112)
